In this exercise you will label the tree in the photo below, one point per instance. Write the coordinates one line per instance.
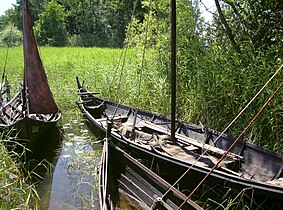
(251, 22)
(50, 27)
(8, 18)
(10, 36)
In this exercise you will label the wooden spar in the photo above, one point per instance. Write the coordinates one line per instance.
(173, 68)
(37, 96)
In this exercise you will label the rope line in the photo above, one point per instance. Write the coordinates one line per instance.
(141, 72)
(5, 63)
(124, 52)
(232, 145)
(222, 133)
(122, 57)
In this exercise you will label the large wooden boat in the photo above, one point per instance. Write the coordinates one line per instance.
(186, 154)
(33, 108)
(246, 167)
(124, 183)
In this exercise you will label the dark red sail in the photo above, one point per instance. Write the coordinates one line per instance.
(39, 98)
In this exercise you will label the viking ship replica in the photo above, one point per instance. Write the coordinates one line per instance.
(33, 108)
(246, 166)
(183, 153)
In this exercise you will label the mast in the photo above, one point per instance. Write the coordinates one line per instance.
(173, 68)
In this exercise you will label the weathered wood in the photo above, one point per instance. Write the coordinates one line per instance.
(116, 118)
(191, 141)
(87, 93)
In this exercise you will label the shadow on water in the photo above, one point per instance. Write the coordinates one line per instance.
(71, 184)
(33, 155)
(62, 165)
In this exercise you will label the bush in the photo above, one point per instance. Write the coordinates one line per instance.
(50, 27)
(10, 36)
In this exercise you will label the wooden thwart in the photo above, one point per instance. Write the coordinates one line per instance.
(190, 140)
(116, 118)
(87, 93)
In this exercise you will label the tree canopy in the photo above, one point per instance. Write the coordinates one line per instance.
(50, 27)
(77, 22)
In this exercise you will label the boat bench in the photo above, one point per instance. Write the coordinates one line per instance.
(186, 140)
(121, 118)
(88, 93)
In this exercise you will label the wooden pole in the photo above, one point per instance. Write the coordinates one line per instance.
(173, 68)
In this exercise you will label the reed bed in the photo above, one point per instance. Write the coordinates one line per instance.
(15, 190)
(105, 70)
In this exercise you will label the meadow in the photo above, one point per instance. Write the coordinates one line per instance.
(118, 75)
(104, 70)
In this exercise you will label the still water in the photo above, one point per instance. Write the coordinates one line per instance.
(72, 182)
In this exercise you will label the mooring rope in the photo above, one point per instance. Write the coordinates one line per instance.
(233, 144)
(229, 125)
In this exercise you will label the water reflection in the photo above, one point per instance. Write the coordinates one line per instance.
(73, 182)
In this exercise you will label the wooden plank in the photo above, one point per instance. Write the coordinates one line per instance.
(188, 140)
(87, 93)
(116, 118)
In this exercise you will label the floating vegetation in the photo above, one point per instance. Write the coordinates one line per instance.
(73, 184)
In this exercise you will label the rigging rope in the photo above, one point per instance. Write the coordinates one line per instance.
(124, 50)
(142, 69)
(3, 75)
(123, 55)
(233, 144)
(5, 64)
(6, 60)
(222, 133)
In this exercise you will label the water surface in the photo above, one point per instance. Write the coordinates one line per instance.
(72, 184)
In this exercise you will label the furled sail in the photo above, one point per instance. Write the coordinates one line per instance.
(39, 98)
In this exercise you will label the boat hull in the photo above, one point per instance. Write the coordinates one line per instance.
(128, 180)
(257, 172)
(26, 128)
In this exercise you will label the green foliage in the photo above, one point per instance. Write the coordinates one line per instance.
(10, 36)
(84, 22)
(233, 79)
(50, 28)
(214, 82)
(15, 191)
(190, 47)
(8, 18)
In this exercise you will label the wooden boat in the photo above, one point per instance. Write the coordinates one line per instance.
(33, 108)
(185, 153)
(124, 183)
(247, 166)
(4, 91)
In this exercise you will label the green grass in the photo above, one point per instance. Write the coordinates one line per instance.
(15, 192)
(98, 68)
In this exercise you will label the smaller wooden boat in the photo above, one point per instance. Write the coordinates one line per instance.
(125, 183)
(33, 108)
